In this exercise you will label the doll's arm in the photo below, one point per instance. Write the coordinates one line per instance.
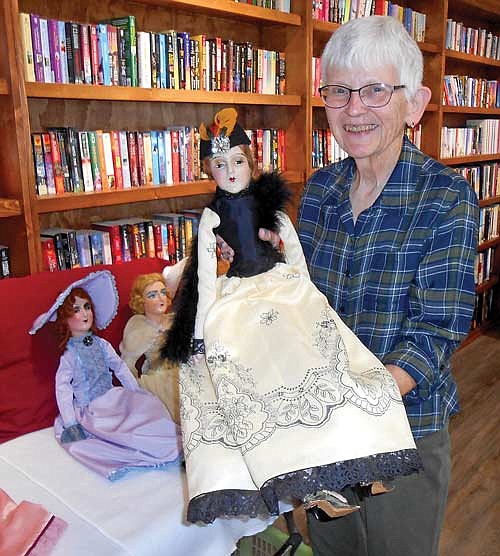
(207, 269)
(64, 389)
(294, 254)
(119, 367)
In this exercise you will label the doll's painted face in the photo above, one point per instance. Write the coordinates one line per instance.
(231, 171)
(156, 300)
(81, 320)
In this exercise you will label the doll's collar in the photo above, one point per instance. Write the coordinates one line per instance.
(222, 193)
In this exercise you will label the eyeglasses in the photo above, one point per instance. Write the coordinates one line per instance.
(374, 95)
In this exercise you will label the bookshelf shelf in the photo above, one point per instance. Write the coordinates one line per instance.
(4, 88)
(485, 286)
(231, 9)
(9, 207)
(473, 159)
(96, 92)
(488, 244)
(490, 201)
(471, 110)
(462, 56)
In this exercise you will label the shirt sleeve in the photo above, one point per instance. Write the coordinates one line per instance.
(441, 298)
(64, 389)
(119, 367)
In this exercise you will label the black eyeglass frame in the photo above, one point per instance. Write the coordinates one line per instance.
(394, 88)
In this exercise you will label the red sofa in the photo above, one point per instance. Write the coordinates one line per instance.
(28, 363)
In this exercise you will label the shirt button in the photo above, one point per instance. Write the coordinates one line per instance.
(347, 273)
(342, 309)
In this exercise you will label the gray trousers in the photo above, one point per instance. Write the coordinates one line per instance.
(404, 522)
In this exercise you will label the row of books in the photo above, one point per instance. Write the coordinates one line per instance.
(483, 178)
(341, 11)
(478, 42)
(166, 236)
(280, 5)
(478, 137)
(489, 227)
(483, 308)
(69, 160)
(114, 52)
(414, 134)
(484, 264)
(461, 90)
(4, 262)
(325, 149)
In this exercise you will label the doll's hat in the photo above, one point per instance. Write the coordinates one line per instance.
(100, 286)
(223, 134)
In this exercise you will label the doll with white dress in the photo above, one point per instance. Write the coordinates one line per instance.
(143, 338)
(280, 401)
(110, 429)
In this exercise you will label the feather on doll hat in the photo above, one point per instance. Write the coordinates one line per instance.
(100, 286)
(223, 134)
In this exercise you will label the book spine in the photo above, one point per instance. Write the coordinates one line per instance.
(55, 55)
(141, 162)
(36, 42)
(113, 54)
(122, 57)
(169, 180)
(49, 257)
(94, 161)
(155, 159)
(29, 64)
(85, 51)
(117, 161)
(94, 55)
(63, 55)
(88, 179)
(56, 161)
(49, 167)
(102, 42)
(74, 159)
(77, 53)
(125, 159)
(38, 158)
(69, 52)
(148, 156)
(133, 163)
(144, 59)
(176, 162)
(44, 35)
(83, 248)
(109, 182)
(114, 234)
(62, 139)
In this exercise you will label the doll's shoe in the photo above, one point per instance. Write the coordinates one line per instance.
(326, 505)
(378, 487)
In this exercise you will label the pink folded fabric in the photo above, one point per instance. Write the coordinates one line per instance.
(27, 528)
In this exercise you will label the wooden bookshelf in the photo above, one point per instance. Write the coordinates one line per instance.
(31, 107)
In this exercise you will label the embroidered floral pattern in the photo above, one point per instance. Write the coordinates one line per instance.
(241, 417)
(269, 318)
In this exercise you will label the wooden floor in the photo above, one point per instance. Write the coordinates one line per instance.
(472, 521)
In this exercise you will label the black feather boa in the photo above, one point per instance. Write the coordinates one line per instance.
(272, 195)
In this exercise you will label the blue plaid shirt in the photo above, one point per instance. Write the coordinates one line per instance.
(402, 277)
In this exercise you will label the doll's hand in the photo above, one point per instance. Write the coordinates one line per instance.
(272, 237)
(225, 250)
(73, 433)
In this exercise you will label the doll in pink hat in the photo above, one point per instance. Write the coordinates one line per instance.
(110, 429)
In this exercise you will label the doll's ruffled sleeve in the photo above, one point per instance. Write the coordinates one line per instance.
(207, 268)
(119, 367)
(64, 389)
(294, 254)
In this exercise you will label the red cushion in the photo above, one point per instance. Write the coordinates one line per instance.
(28, 363)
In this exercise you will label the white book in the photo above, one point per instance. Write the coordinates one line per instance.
(169, 178)
(29, 64)
(108, 159)
(144, 59)
(127, 182)
(106, 247)
(48, 74)
(88, 181)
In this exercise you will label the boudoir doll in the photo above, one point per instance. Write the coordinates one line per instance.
(280, 400)
(144, 335)
(110, 429)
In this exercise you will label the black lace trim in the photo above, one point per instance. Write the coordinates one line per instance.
(335, 476)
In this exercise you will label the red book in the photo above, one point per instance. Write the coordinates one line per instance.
(94, 54)
(117, 160)
(114, 237)
(176, 156)
(56, 163)
(157, 235)
(172, 250)
(113, 54)
(281, 150)
(141, 159)
(132, 155)
(49, 257)
(259, 143)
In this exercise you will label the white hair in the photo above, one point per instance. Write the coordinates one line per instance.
(375, 41)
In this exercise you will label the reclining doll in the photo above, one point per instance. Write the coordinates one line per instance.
(143, 337)
(110, 429)
(280, 401)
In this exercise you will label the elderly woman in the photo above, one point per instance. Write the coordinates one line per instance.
(143, 337)
(389, 235)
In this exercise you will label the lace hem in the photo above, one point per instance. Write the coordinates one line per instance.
(336, 476)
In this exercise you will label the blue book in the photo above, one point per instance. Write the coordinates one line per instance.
(83, 248)
(161, 157)
(163, 61)
(103, 50)
(155, 157)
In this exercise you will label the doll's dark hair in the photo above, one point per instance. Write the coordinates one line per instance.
(247, 151)
(66, 311)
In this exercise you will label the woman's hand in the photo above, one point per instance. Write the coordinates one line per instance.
(272, 237)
